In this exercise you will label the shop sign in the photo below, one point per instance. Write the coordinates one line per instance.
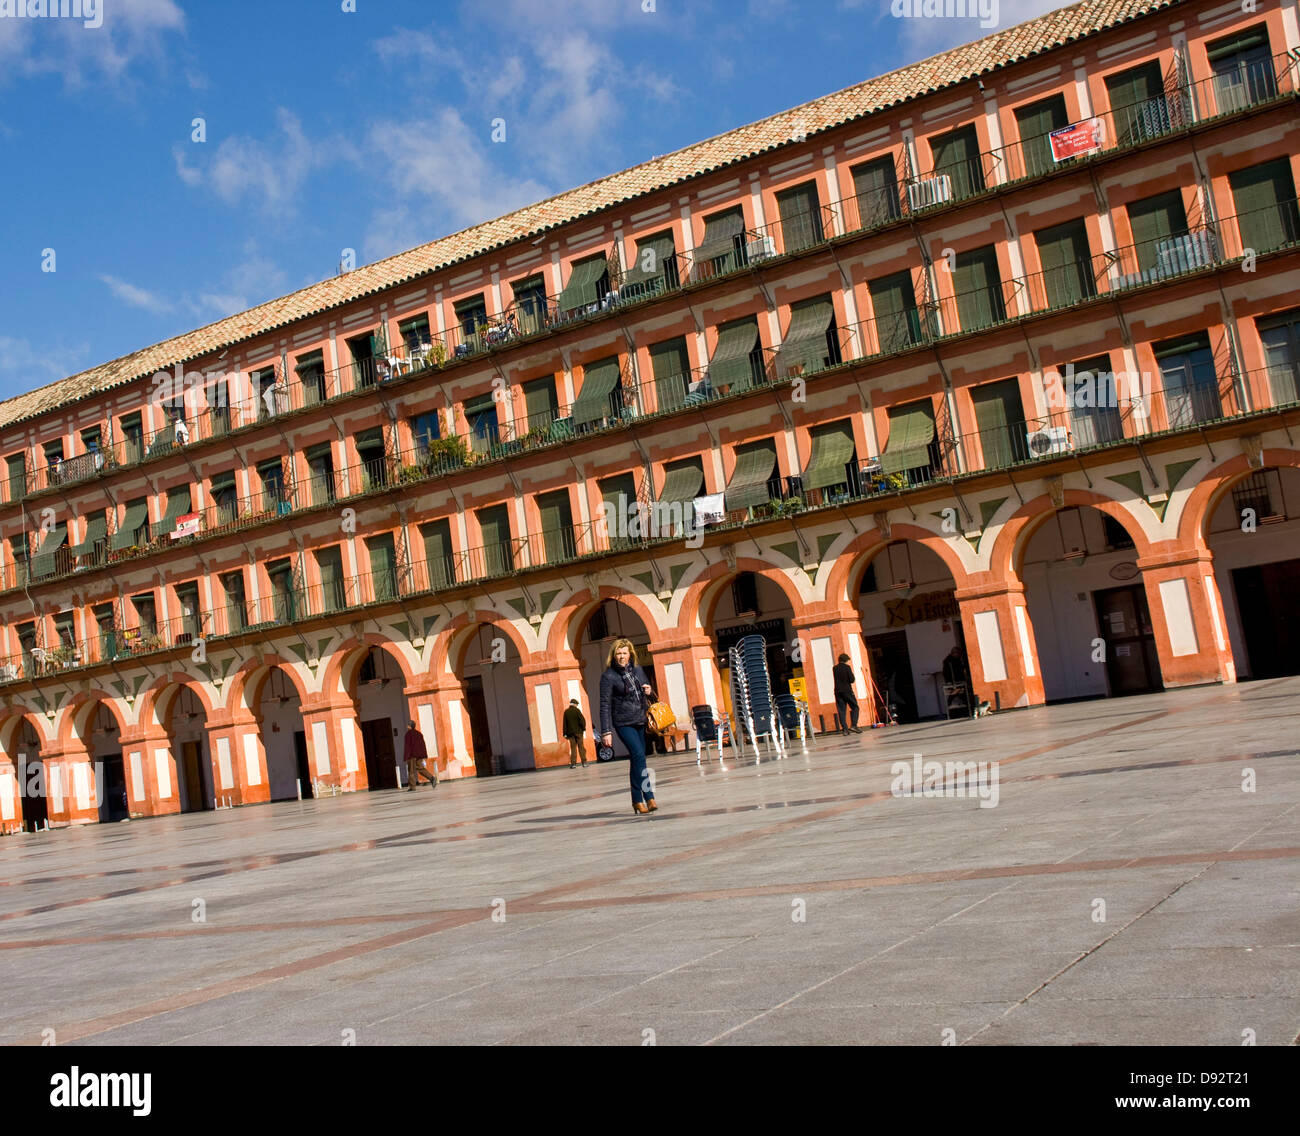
(924, 608)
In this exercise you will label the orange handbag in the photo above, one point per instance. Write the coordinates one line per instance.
(659, 718)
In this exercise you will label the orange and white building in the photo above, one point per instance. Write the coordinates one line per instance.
(1001, 349)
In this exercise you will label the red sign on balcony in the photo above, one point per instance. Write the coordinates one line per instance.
(186, 525)
(1084, 137)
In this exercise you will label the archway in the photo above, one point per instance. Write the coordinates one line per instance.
(906, 600)
(277, 705)
(748, 603)
(592, 637)
(374, 679)
(496, 704)
(185, 718)
(101, 734)
(20, 745)
(1253, 529)
(1088, 605)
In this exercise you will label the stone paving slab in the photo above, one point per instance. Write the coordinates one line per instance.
(791, 901)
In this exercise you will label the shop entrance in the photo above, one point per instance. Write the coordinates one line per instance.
(1270, 616)
(1132, 664)
(381, 763)
(480, 735)
(891, 670)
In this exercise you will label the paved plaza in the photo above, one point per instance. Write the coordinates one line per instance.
(1125, 889)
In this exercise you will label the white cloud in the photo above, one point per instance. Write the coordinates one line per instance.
(135, 296)
(922, 36)
(132, 31)
(251, 281)
(24, 367)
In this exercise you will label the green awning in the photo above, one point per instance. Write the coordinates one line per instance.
(581, 288)
(805, 339)
(96, 530)
(730, 365)
(748, 485)
(1248, 40)
(683, 483)
(163, 441)
(220, 482)
(43, 561)
(911, 430)
(178, 503)
(832, 450)
(372, 439)
(314, 361)
(137, 515)
(598, 382)
(720, 233)
(652, 259)
(540, 403)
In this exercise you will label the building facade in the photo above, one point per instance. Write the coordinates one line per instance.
(1001, 350)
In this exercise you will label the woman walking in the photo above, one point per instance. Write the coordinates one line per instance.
(623, 703)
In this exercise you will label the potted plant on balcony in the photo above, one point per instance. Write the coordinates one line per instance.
(448, 453)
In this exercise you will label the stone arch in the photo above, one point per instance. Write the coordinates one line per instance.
(157, 699)
(703, 592)
(851, 564)
(1207, 494)
(345, 660)
(77, 717)
(11, 720)
(449, 648)
(246, 683)
(573, 616)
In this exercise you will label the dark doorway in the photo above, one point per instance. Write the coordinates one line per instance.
(1270, 616)
(1124, 622)
(891, 668)
(377, 741)
(31, 783)
(195, 789)
(112, 802)
(304, 767)
(480, 738)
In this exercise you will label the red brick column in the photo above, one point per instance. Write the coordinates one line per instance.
(1000, 646)
(439, 711)
(546, 690)
(11, 802)
(686, 669)
(150, 767)
(1187, 617)
(239, 775)
(821, 638)
(335, 754)
(70, 796)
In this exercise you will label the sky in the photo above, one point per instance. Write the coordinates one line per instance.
(187, 159)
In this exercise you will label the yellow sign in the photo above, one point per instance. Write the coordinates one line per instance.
(923, 608)
(799, 688)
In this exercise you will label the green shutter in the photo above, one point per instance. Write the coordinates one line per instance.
(672, 370)
(731, 365)
(875, 189)
(43, 561)
(1250, 39)
(801, 219)
(494, 524)
(1280, 335)
(1134, 109)
(178, 504)
(581, 288)
(644, 279)
(832, 450)
(721, 232)
(893, 302)
(1266, 205)
(682, 482)
(383, 567)
(978, 285)
(556, 515)
(96, 531)
(595, 402)
(137, 515)
(958, 155)
(1036, 123)
(1153, 220)
(1067, 265)
(911, 430)
(617, 495)
(748, 484)
(540, 403)
(330, 563)
(1000, 419)
(805, 344)
(438, 553)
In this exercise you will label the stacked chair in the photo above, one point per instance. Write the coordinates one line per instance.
(751, 693)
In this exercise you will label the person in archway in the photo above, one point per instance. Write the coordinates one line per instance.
(624, 695)
(415, 753)
(845, 699)
(575, 727)
(956, 675)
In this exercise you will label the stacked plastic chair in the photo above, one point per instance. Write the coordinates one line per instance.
(751, 692)
(711, 729)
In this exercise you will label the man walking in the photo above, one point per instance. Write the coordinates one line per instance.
(575, 729)
(415, 754)
(845, 699)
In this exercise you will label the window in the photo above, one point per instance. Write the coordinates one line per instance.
(133, 532)
(1137, 103)
(744, 594)
(1093, 399)
(371, 453)
(911, 448)
(1190, 381)
(320, 466)
(1000, 419)
(65, 634)
(588, 284)
(801, 217)
(1036, 123)
(191, 622)
(683, 483)
(414, 332)
(831, 461)
(218, 407)
(52, 556)
(439, 560)
(876, 199)
(310, 369)
(481, 414)
(618, 502)
(1261, 492)
(225, 498)
(133, 436)
(425, 430)
(146, 615)
(653, 270)
(723, 248)
(106, 623)
(600, 398)
(16, 469)
(957, 156)
(497, 554)
(541, 406)
(756, 479)
(556, 518)
(978, 285)
(1265, 199)
(811, 341)
(1157, 222)
(1280, 335)
(329, 564)
(471, 315)
(530, 304)
(178, 506)
(737, 362)
(232, 585)
(1243, 69)
(364, 349)
(286, 597)
(1116, 535)
(272, 477)
(92, 550)
(1067, 263)
(670, 363)
(896, 315)
(272, 397)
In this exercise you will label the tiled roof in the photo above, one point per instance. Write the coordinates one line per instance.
(955, 66)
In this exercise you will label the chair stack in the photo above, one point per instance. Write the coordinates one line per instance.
(751, 691)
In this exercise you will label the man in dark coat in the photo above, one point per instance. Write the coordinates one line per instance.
(845, 700)
(415, 753)
(575, 729)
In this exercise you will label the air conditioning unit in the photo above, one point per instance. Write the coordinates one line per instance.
(1050, 440)
(761, 248)
(929, 191)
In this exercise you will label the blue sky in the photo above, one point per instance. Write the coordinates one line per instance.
(371, 129)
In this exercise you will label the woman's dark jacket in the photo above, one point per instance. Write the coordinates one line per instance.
(622, 702)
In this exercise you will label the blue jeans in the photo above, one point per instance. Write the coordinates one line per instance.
(634, 738)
